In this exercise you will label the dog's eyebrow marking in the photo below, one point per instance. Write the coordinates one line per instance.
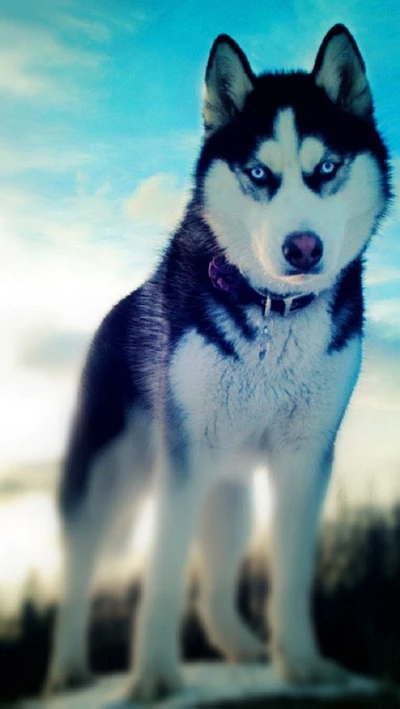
(311, 153)
(281, 151)
(287, 137)
(270, 154)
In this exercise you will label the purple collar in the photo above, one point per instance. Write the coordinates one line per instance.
(226, 277)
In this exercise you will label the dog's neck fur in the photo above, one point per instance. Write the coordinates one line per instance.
(227, 277)
(188, 291)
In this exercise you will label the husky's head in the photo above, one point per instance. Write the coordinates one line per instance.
(293, 174)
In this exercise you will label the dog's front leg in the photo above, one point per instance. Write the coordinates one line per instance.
(180, 497)
(299, 476)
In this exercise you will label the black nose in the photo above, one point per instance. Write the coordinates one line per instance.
(303, 250)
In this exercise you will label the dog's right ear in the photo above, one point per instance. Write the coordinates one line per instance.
(229, 80)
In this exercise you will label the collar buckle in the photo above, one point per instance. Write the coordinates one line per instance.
(267, 304)
(287, 305)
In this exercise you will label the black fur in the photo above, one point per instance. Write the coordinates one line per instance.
(347, 306)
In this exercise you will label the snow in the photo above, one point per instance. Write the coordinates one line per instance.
(206, 684)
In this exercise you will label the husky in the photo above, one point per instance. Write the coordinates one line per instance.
(241, 350)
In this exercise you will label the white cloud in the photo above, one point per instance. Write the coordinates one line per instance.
(35, 411)
(97, 24)
(63, 266)
(29, 57)
(40, 45)
(63, 286)
(94, 29)
(42, 56)
(24, 158)
(382, 274)
(386, 312)
(15, 78)
(158, 201)
(367, 461)
(32, 549)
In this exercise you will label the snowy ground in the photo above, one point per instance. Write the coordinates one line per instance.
(206, 685)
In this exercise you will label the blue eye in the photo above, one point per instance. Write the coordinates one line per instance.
(263, 178)
(328, 168)
(257, 173)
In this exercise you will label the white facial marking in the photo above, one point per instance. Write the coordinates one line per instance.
(270, 154)
(287, 137)
(311, 153)
(281, 152)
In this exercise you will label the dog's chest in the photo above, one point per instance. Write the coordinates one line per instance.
(235, 402)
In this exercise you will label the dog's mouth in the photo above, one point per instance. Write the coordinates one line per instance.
(297, 274)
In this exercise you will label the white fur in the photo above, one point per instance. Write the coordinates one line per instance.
(223, 538)
(270, 154)
(311, 153)
(249, 396)
(253, 232)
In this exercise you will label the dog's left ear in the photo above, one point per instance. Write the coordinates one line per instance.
(229, 79)
(340, 70)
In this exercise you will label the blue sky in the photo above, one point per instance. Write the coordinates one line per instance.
(99, 128)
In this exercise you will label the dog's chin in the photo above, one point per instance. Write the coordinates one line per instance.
(293, 283)
(302, 281)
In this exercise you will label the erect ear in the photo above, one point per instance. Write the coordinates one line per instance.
(228, 82)
(340, 70)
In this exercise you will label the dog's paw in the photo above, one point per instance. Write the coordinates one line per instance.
(311, 669)
(240, 646)
(64, 680)
(153, 686)
(245, 653)
(259, 655)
